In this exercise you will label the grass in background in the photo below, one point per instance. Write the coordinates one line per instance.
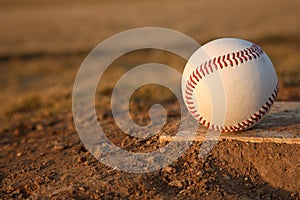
(44, 43)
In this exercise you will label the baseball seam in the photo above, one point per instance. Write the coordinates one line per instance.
(218, 63)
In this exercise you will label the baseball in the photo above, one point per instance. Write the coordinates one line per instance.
(229, 84)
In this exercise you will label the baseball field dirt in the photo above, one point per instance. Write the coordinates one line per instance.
(44, 158)
(42, 45)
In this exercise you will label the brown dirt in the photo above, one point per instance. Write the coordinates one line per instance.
(46, 159)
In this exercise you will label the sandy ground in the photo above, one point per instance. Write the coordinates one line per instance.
(44, 158)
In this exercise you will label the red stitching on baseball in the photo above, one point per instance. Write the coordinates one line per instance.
(193, 111)
(245, 123)
(243, 56)
(223, 60)
(249, 121)
(210, 67)
(201, 70)
(239, 57)
(214, 63)
(228, 58)
(205, 67)
(195, 76)
(191, 79)
(265, 108)
(189, 102)
(191, 85)
(187, 97)
(253, 52)
(247, 54)
(197, 115)
(188, 91)
(219, 62)
(233, 57)
(197, 72)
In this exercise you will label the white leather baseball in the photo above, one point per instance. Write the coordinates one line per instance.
(229, 84)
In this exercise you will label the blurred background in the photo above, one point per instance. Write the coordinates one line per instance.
(42, 43)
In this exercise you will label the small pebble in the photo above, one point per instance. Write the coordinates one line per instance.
(81, 159)
(10, 188)
(59, 146)
(39, 127)
(17, 132)
(199, 173)
(176, 183)
(17, 191)
(168, 169)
